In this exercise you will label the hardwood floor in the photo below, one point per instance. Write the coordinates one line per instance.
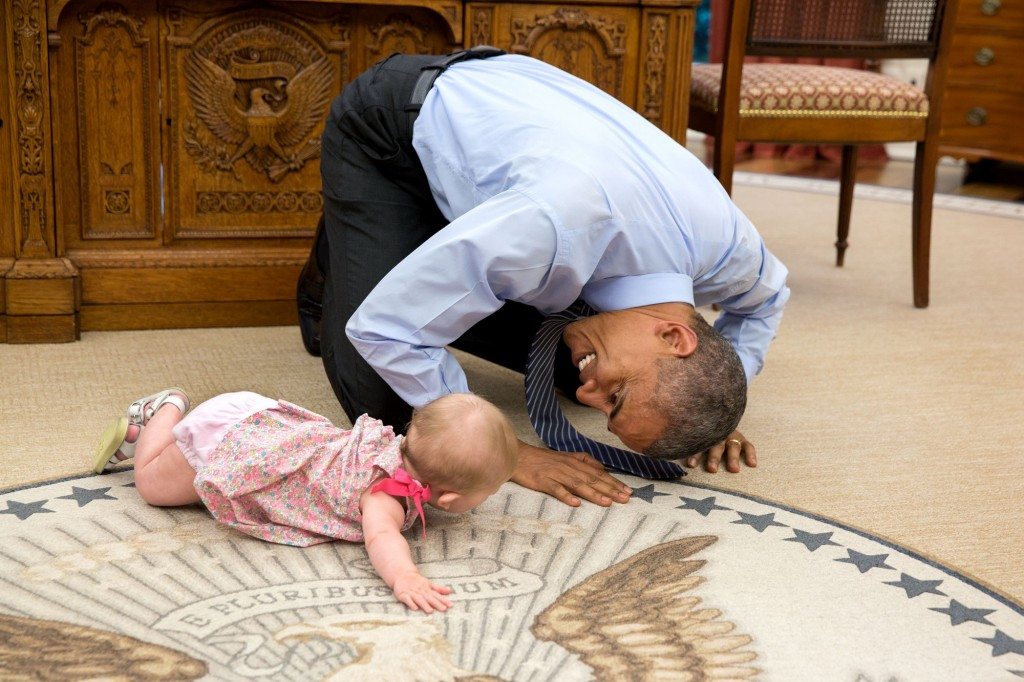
(987, 178)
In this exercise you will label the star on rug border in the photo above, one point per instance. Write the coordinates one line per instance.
(959, 614)
(647, 493)
(1002, 643)
(758, 522)
(865, 562)
(84, 496)
(24, 510)
(812, 541)
(702, 507)
(915, 587)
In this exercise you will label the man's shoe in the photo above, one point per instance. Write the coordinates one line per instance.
(309, 295)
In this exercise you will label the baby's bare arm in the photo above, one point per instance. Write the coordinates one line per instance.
(383, 517)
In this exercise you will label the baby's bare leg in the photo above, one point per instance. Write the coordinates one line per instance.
(163, 476)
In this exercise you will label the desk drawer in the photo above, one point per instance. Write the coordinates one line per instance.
(998, 15)
(982, 120)
(981, 60)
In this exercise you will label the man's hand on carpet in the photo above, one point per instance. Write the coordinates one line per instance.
(733, 448)
(566, 475)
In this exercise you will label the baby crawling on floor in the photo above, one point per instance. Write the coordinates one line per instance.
(281, 473)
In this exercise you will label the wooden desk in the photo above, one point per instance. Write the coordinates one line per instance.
(984, 95)
(130, 196)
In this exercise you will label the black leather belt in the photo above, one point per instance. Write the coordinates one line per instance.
(430, 72)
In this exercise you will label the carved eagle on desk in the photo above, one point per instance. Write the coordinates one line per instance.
(272, 137)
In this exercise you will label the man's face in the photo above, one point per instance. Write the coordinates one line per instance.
(615, 354)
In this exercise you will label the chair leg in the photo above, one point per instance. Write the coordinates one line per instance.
(847, 180)
(724, 158)
(925, 160)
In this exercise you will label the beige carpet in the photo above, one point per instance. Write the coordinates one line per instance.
(870, 416)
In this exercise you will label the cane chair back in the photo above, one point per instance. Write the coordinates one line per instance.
(800, 103)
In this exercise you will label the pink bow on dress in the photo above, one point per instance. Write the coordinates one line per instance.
(404, 485)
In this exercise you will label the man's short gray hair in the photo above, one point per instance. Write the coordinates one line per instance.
(702, 395)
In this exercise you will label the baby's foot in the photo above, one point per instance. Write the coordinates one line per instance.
(116, 445)
(127, 447)
(143, 409)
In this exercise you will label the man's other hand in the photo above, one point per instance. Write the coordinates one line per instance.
(733, 448)
(568, 476)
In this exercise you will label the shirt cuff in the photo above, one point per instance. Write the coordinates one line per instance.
(751, 366)
(619, 293)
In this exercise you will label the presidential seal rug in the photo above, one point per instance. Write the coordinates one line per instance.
(686, 582)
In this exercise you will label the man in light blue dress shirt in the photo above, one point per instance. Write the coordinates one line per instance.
(515, 190)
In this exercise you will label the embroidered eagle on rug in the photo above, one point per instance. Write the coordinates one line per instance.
(634, 621)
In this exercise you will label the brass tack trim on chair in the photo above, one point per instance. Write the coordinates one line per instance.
(827, 113)
(859, 113)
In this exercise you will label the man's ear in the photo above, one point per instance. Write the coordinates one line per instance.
(446, 499)
(679, 337)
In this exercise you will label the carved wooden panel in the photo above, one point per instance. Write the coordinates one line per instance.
(640, 56)
(664, 79)
(116, 61)
(598, 44)
(33, 233)
(481, 25)
(385, 30)
(247, 90)
(8, 195)
(105, 62)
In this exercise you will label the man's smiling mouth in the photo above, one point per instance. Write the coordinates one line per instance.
(587, 359)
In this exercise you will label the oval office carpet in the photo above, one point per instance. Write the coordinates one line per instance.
(881, 537)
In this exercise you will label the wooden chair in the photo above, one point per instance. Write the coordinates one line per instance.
(821, 104)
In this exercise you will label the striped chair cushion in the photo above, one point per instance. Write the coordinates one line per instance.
(781, 90)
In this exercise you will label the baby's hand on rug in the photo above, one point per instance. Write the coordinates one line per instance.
(416, 592)
(732, 448)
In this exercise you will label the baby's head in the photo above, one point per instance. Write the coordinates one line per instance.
(463, 447)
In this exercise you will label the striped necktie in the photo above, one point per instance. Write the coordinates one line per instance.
(552, 425)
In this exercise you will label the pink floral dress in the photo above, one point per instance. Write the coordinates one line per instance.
(288, 475)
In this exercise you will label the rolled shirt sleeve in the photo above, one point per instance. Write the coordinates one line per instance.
(501, 250)
(750, 319)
